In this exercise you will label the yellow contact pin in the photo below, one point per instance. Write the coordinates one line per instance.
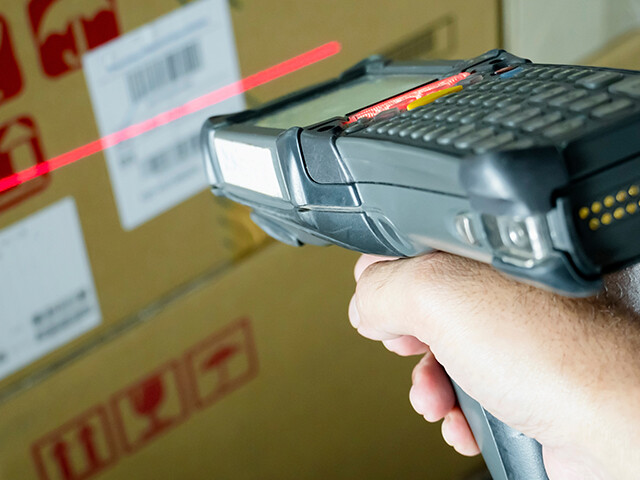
(594, 224)
(596, 207)
(606, 219)
(621, 196)
(433, 96)
(584, 213)
(618, 213)
(634, 190)
(609, 201)
(631, 208)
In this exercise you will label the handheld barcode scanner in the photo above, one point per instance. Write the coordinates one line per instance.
(532, 168)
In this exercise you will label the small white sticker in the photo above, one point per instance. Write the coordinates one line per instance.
(160, 66)
(47, 294)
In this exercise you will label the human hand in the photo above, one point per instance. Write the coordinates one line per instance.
(563, 371)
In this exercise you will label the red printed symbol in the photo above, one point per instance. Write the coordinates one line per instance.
(20, 148)
(77, 450)
(151, 406)
(10, 79)
(65, 29)
(222, 363)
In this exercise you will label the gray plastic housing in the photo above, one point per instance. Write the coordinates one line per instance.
(386, 198)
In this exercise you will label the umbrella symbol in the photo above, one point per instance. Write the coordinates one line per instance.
(73, 12)
(14, 135)
(219, 361)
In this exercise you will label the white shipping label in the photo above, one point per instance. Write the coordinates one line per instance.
(47, 294)
(160, 66)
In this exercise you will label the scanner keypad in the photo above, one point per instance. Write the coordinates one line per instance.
(529, 105)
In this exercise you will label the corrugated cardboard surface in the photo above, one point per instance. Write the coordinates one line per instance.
(132, 269)
(255, 374)
(623, 52)
(402, 29)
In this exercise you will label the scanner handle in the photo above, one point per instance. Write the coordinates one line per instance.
(509, 454)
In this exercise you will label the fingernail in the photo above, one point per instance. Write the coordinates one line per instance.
(354, 316)
(415, 403)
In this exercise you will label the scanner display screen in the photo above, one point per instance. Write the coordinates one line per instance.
(341, 101)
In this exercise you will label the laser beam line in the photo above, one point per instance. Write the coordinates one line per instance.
(216, 96)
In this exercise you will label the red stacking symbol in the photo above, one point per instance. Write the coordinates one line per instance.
(65, 29)
(20, 148)
(222, 363)
(148, 408)
(10, 77)
(77, 450)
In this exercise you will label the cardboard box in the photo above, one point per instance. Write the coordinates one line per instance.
(254, 374)
(111, 272)
(623, 52)
(565, 32)
(129, 266)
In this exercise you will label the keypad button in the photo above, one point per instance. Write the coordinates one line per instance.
(428, 113)
(384, 128)
(565, 128)
(457, 116)
(493, 142)
(442, 115)
(447, 138)
(518, 118)
(599, 80)
(548, 94)
(407, 130)
(588, 103)
(563, 74)
(528, 86)
(470, 139)
(421, 131)
(434, 133)
(578, 75)
(572, 96)
(505, 102)
(481, 98)
(357, 126)
(519, 144)
(373, 128)
(550, 72)
(629, 86)
(610, 109)
(513, 86)
(492, 100)
(472, 117)
(539, 123)
(395, 128)
(500, 114)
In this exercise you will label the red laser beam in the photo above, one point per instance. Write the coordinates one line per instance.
(211, 98)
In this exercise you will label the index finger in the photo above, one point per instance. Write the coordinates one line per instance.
(366, 260)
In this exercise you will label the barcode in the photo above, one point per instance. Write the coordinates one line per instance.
(160, 73)
(55, 318)
(176, 154)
